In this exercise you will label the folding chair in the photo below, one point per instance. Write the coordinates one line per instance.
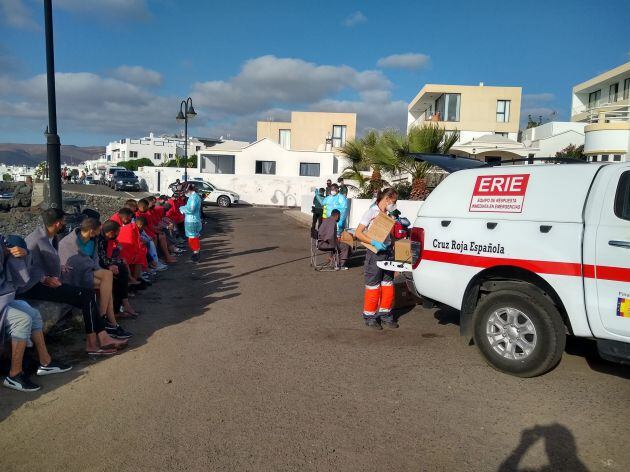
(323, 260)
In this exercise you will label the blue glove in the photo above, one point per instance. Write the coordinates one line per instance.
(379, 246)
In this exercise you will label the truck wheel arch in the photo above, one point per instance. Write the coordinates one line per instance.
(494, 278)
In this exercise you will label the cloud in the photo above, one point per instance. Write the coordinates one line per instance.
(16, 14)
(538, 105)
(9, 64)
(537, 98)
(138, 75)
(123, 103)
(405, 61)
(269, 81)
(354, 19)
(86, 102)
(113, 9)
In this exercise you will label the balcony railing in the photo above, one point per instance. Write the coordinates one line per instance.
(622, 98)
(608, 114)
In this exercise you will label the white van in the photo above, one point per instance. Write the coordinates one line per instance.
(528, 254)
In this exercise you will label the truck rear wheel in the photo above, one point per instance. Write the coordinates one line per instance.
(519, 331)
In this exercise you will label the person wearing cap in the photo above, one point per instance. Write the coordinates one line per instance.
(19, 320)
(44, 283)
(192, 220)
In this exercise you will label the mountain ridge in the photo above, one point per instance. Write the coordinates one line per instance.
(33, 154)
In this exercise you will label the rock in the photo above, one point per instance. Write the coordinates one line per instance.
(51, 312)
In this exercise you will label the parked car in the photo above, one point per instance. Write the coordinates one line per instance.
(528, 254)
(109, 174)
(125, 180)
(89, 180)
(213, 195)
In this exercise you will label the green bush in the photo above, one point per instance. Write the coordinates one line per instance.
(7, 177)
(134, 164)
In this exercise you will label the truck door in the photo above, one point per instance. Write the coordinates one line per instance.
(612, 255)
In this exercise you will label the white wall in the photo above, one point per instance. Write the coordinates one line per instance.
(605, 140)
(358, 206)
(255, 189)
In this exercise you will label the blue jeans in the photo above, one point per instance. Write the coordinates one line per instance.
(22, 320)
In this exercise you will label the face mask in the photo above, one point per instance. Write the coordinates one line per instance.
(333, 193)
(391, 207)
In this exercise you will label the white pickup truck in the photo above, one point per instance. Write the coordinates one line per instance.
(529, 253)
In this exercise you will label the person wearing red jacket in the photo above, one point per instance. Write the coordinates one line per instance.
(132, 250)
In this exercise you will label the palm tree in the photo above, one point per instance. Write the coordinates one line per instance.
(393, 149)
(360, 153)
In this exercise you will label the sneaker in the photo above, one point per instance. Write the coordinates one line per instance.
(343, 267)
(179, 250)
(117, 331)
(195, 257)
(161, 266)
(146, 281)
(53, 368)
(373, 323)
(21, 383)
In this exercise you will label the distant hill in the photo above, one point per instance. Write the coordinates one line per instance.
(33, 154)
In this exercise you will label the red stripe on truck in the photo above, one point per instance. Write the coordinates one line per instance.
(573, 269)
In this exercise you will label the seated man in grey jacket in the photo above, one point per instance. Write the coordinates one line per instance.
(19, 320)
(78, 250)
(45, 284)
(327, 239)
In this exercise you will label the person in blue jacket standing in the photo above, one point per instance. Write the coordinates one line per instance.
(192, 220)
(336, 201)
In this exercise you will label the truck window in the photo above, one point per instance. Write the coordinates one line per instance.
(622, 198)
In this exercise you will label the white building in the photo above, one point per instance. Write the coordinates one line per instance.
(159, 149)
(262, 172)
(553, 137)
(603, 105)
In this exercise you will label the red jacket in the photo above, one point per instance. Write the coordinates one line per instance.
(173, 212)
(132, 249)
(150, 226)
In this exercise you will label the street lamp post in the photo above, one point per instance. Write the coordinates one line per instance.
(186, 110)
(53, 144)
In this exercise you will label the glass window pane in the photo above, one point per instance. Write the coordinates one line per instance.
(622, 198)
(266, 167)
(308, 169)
(452, 107)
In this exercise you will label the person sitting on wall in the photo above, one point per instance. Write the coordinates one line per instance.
(21, 322)
(45, 283)
(78, 250)
(109, 258)
(132, 249)
(327, 239)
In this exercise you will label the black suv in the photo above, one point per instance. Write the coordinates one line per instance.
(125, 180)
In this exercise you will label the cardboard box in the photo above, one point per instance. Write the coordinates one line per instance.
(379, 230)
(403, 298)
(347, 238)
(402, 250)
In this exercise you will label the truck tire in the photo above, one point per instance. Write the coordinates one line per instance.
(519, 331)
(223, 201)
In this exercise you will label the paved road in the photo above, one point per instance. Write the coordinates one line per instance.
(103, 190)
(251, 361)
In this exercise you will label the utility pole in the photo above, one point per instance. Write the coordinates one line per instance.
(53, 144)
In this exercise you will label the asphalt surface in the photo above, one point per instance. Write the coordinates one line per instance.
(252, 361)
(103, 190)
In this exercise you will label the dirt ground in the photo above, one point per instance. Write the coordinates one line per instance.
(252, 361)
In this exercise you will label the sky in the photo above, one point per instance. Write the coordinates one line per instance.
(123, 66)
